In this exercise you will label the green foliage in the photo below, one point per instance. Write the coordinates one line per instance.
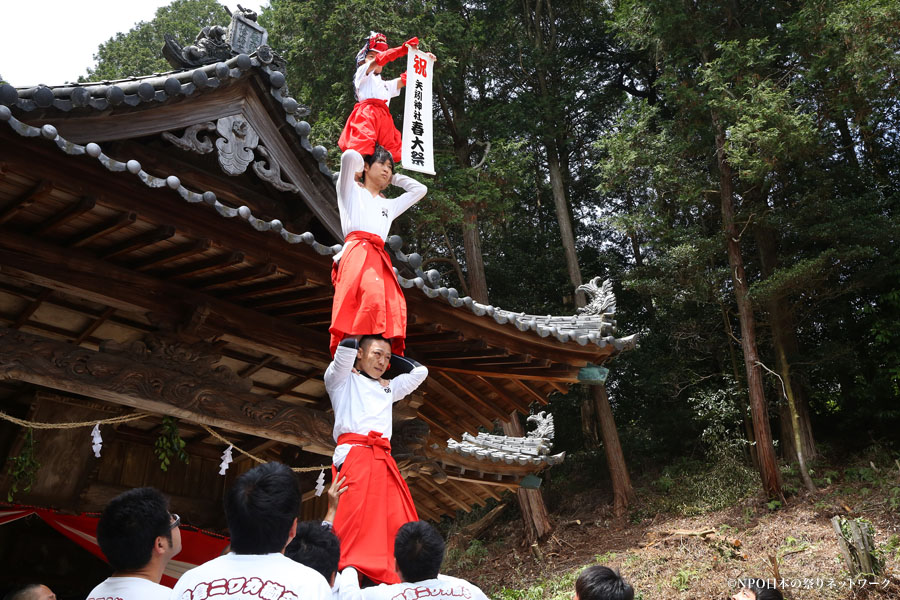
(170, 444)
(23, 468)
(681, 581)
(139, 50)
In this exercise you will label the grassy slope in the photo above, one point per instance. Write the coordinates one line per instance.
(748, 532)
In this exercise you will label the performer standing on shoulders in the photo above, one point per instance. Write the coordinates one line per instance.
(377, 501)
(367, 296)
(371, 123)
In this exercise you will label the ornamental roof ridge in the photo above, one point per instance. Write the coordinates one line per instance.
(162, 87)
(583, 329)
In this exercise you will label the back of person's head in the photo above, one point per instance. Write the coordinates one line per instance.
(260, 508)
(602, 583)
(317, 547)
(129, 526)
(762, 589)
(30, 591)
(419, 551)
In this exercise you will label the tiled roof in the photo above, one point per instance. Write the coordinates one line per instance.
(583, 328)
(533, 449)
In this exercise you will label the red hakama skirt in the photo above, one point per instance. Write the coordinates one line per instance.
(376, 504)
(367, 296)
(370, 123)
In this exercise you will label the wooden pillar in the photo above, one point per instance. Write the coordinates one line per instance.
(623, 492)
(531, 502)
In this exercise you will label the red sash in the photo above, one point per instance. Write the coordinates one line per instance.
(376, 504)
(367, 296)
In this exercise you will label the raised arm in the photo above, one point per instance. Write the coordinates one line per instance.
(351, 164)
(415, 191)
(405, 384)
(339, 370)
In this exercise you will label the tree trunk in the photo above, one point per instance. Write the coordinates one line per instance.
(535, 517)
(765, 450)
(477, 281)
(623, 492)
(565, 222)
(796, 429)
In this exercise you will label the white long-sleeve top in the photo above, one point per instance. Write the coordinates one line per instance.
(442, 587)
(360, 210)
(371, 85)
(360, 403)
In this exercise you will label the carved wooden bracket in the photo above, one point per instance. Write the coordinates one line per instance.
(237, 144)
(144, 376)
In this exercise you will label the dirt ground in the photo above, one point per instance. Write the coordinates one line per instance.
(661, 564)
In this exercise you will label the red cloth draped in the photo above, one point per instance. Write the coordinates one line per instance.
(367, 296)
(369, 123)
(197, 547)
(376, 504)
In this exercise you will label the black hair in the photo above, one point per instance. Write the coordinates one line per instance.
(602, 583)
(379, 155)
(763, 589)
(23, 592)
(419, 551)
(260, 508)
(129, 526)
(317, 547)
(365, 340)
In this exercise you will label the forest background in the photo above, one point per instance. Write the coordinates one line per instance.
(732, 167)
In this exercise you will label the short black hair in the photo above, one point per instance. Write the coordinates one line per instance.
(602, 583)
(317, 547)
(763, 589)
(129, 526)
(419, 551)
(23, 592)
(260, 508)
(379, 155)
(365, 340)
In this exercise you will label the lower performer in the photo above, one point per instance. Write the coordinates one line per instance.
(377, 501)
(367, 296)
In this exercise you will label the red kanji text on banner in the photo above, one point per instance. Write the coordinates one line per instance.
(418, 134)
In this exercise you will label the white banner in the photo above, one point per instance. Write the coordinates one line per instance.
(418, 150)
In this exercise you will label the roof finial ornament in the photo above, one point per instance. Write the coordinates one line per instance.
(603, 300)
(215, 43)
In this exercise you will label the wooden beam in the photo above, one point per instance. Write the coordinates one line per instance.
(161, 387)
(463, 491)
(103, 228)
(251, 369)
(437, 388)
(293, 298)
(213, 263)
(560, 373)
(491, 408)
(528, 390)
(261, 289)
(95, 324)
(171, 255)
(436, 488)
(31, 308)
(73, 271)
(85, 205)
(38, 192)
(235, 277)
(141, 240)
(502, 394)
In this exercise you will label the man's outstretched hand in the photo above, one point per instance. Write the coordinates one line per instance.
(334, 496)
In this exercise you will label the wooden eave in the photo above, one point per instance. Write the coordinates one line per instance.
(88, 256)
